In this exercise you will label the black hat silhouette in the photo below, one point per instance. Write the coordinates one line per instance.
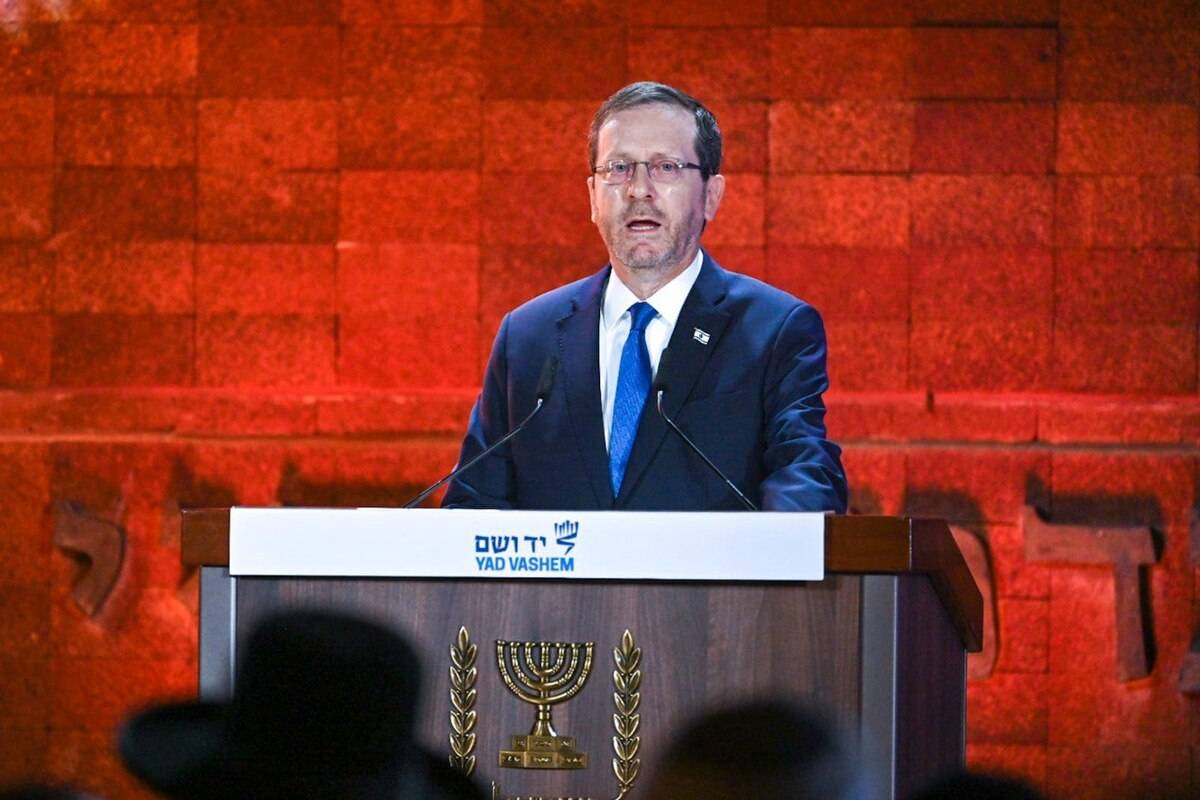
(323, 706)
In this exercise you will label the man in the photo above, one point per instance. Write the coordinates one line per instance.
(782, 750)
(324, 708)
(744, 376)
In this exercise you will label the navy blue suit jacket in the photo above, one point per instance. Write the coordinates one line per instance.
(750, 398)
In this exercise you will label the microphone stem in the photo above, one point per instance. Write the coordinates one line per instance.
(478, 456)
(662, 413)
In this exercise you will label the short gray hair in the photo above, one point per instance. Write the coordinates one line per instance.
(708, 133)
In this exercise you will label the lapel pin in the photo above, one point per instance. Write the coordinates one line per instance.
(700, 336)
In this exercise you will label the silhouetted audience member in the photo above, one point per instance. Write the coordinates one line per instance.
(756, 750)
(978, 786)
(41, 791)
(323, 707)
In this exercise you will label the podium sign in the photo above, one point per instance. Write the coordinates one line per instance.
(461, 543)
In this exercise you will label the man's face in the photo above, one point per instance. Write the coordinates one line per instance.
(650, 225)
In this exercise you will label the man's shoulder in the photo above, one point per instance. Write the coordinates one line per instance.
(558, 302)
(747, 291)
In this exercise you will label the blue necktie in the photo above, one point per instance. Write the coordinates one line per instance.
(633, 385)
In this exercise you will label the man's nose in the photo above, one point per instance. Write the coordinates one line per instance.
(640, 184)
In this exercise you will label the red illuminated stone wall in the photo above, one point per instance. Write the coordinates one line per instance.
(254, 252)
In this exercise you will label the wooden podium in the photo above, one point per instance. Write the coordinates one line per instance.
(879, 644)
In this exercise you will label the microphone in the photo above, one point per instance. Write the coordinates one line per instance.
(545, 384)
(660, 388)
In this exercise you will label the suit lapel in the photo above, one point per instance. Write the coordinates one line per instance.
(686, 361)
(579, 362)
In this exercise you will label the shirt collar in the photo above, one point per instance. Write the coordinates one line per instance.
(667, 301)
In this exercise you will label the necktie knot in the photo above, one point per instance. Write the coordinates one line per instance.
(640, 314)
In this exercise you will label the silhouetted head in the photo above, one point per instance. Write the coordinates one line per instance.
(41, 791)
(762, 749)
(323, 707)
(978, 786)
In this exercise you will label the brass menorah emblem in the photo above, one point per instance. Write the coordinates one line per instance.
(544, 674)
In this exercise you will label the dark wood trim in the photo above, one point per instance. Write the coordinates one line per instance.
(853, 544)
(205, 537)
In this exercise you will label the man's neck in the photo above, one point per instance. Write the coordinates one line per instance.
(645, 282)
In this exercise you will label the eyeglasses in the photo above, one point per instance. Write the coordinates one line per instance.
(661, 170)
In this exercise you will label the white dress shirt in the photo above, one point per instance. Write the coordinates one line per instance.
(615, 322)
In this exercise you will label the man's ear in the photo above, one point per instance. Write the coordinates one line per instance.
(591, 183)
(714, 190)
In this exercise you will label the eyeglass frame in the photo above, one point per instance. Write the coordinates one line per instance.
(605, 169)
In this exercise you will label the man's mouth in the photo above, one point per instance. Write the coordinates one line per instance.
(642, 225)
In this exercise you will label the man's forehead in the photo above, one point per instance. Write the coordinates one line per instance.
(657, 127)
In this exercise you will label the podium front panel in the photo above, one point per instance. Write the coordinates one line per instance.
(842, 644)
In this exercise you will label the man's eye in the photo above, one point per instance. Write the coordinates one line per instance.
(618, 167)
(667, 167)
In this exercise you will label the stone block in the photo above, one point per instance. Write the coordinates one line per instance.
(1126, 286)
(1127, 138)
(25, 348)
(250, 135)
(126, 204)
(876, 479)
(867, 354)
(32, 63)
(133, 278)
(741, 218)
(1004, 210)
(536, 135)
(987, 12)
(1135, 359)
(1127, 211)
(577, 63)
(844, 283)
(269, 61)
(840, 63)
(387, 133)
(991, 354)
(1140, 66)
(1024, 636)
(735, 64)
(425, 284)
(122, 350)
(392, 60)
(246, 279)
(26, 278)
(841, 136)
(838, 210)
(1004, 63)
(1008, 709)
(845, 12)
(394, 206)
(295, 207)
(129, 131)
(414, 12)
(977, 284)
(562, 215)
(128, 59)
(984, 137)
(26, 131)
(274, 350)
(269, 12)
(972, 488)
(26, 200)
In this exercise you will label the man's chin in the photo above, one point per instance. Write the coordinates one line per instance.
(642, 257)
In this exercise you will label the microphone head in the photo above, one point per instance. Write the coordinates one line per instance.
(546, 381)
(660, 376)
